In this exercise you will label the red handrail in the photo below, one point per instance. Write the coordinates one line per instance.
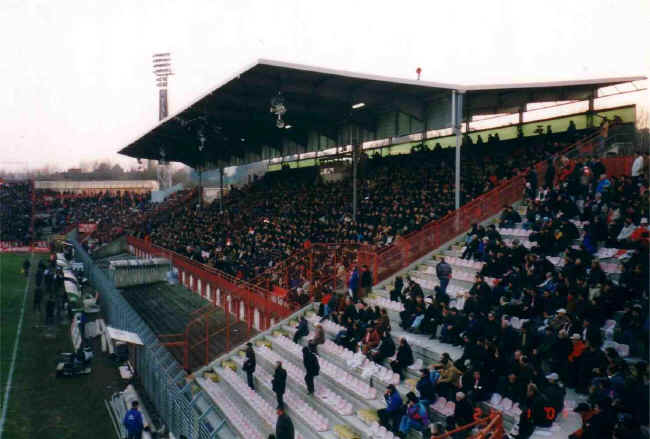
(494, 425)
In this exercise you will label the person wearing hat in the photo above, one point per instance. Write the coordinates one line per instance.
(463, 411)
(554, 392)
(561, 320)
(249, 365)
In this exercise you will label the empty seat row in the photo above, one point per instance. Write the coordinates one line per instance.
(314, 420)
(342, 377)
(239, 420)
(331, 399)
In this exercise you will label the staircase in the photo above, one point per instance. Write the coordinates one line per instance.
(349, 389)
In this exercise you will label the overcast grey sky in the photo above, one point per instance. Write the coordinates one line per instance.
(77, 81)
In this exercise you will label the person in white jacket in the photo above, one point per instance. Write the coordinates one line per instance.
(627, 230)
(637, 165)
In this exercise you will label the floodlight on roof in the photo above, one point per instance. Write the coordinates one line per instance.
(286, 127)
(278, 107)
(358, 105)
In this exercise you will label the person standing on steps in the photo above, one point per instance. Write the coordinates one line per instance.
(279, 384)
(249, 365)
(312, 368)
(443, 271)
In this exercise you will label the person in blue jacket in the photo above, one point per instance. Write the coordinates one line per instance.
(133, 422)
(390, 416)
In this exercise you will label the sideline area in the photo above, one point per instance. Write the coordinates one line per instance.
(42, 405)
(12, 292)
(17, 330)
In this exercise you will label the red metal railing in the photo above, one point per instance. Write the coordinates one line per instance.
(204, 338)
(493, 428)
(198, 277)
(407, 249)
(317, 262)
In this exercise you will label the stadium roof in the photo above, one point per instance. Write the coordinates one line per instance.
(238, 128)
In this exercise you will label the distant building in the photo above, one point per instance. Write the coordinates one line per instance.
(98, 186)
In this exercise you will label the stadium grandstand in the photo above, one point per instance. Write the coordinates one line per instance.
(432, 280)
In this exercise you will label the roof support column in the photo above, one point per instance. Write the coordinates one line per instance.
(221, 190)
(356, 150)
(456, 121)
(200, 169)
(590, 111)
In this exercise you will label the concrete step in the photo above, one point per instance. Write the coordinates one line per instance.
(308, 418)
(235, 414)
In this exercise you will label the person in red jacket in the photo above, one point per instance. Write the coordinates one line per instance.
(567, 169)
(641, 234)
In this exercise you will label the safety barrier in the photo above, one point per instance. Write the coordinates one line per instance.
(184, 409)
(204, 338)
(409, 248)
(493, 428)
(317, 262)
(248, 302)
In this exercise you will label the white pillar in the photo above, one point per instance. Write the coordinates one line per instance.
(256, 319)
(208, 293)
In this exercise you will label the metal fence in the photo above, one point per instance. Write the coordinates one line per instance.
(407, 249)
(182, 406)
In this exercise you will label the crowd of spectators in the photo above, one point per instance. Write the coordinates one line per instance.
(16, 212)
(273, 217)
(537, 329)
(112, 213)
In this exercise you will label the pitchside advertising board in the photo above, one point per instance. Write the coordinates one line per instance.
(13, 247)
